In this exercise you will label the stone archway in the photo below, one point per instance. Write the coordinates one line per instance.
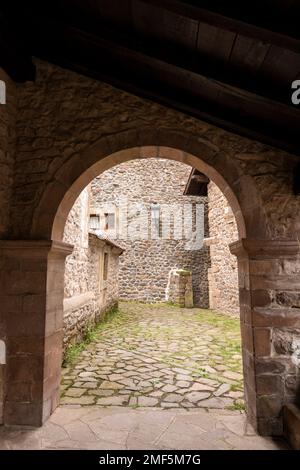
(69, 179)
(34, 348)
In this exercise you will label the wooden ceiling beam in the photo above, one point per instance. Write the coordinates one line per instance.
(229, 107)
(192, 60)
(228, 23)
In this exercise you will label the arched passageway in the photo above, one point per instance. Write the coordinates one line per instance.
(33, 365)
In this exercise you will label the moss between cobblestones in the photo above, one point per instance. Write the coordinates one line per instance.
(219, 319)
(237, 406)
(90, 335)
(157, 355)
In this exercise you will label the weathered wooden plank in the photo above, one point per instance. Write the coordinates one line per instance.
(152, 21)
(268, 33)
(281, 65)
(215, 43)
(248, 54)
(169, 84)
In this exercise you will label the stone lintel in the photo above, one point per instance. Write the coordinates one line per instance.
(265, 249)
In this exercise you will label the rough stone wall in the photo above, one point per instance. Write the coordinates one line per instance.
(7, 150)
(223, 271)
(145, 265)
(76, 233)
(108, 292)
(7, 155)
(87, 296)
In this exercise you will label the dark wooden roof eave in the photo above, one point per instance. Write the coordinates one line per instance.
(197, 184)
(229, 66)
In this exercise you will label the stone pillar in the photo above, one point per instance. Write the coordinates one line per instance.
(180, 288)
(269, 289)
(31, 299)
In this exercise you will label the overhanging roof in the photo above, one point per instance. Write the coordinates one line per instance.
(230, 63)
(196, 184)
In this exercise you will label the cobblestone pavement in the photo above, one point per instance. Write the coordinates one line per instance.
(159, 356)
(85, 427)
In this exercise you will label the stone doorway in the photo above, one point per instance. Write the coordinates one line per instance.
(151, 356)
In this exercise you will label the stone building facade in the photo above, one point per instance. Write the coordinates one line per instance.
(146, 265)
(147, 185)
(223, 271)
(91, 273)
(68, 129)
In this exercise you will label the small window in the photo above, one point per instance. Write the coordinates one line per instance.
(2, 92)
(105, 266)
(94, 222)
(109, 221)
(156, 219)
